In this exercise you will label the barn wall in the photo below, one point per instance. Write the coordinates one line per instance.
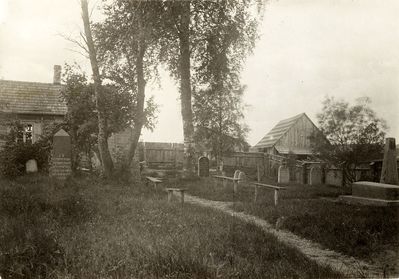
(298, 135)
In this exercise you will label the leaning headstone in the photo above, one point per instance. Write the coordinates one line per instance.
(389, 173)
(60, 166)
(203, 167)
(283, 175)
(315, 176)
(31, 166)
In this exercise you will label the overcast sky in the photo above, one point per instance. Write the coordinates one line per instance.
(308, 49)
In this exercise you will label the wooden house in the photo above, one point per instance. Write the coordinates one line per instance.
(289, 136)
(33, 104)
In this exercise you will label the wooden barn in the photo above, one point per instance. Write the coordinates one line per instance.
(289, 136)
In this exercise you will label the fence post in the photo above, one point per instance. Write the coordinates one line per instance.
(258, 171)
(275, 197)
(235, 186)
(256, 193)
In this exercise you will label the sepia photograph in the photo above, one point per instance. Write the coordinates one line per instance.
(199, 139)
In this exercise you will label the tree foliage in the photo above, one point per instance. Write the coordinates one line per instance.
(81, 118)
(128, 46)
(219, 121)
(206, 43)
(351, 134)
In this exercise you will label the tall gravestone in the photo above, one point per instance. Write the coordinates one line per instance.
(389, 172)
(60, 166)
(315, 176)
(203, 167)
(283, 174)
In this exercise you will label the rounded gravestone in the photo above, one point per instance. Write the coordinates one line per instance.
(242, 177)
(203, 167)
(31, 166)
(236, 173)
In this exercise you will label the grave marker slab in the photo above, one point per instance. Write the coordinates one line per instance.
(60, 166)
(31, 166)
(203, 167)
(315, 176)
(283, 175)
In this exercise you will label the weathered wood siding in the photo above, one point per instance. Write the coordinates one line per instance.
(163, 154)
(298, 135)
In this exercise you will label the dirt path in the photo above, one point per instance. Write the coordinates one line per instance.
(348, 266)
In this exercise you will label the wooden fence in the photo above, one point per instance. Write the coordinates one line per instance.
(162, 154)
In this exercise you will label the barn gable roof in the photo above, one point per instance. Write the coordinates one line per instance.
(278, 131)
(31, 98)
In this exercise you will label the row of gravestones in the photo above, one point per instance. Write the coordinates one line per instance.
(315, 175)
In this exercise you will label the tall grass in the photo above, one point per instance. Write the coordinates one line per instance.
(360, 231)
(91, 229)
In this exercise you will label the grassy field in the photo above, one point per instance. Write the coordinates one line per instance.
(366, 232)
(90, 229)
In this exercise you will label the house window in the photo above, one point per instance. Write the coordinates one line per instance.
(28, 133)
(25, 134)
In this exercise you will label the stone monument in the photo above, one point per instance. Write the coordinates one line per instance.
(60, 166)
(389, 172)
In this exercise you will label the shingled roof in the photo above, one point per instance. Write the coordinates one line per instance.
(271, 138)
(31, 98)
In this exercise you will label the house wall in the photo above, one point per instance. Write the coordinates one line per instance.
(298, 135)
(38, 121)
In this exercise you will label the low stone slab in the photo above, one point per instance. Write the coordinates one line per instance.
(375, 190)
(368, 201)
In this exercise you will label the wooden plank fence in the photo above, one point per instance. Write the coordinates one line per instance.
(158, 154)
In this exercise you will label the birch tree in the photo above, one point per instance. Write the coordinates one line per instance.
(105, 155)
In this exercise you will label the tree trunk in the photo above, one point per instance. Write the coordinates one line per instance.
(185, 89)
(105, 155)
(139, 115)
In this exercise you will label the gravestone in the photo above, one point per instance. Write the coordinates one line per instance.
(315, 176)
(236, 174)
(31, 166)
(242, 177)
(389, 173)
(203, 167)
(60, 166)
(283, 175)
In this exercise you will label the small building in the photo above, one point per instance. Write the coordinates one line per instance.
(289, 136)
(33, 104)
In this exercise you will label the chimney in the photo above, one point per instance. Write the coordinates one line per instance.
(57, 74)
